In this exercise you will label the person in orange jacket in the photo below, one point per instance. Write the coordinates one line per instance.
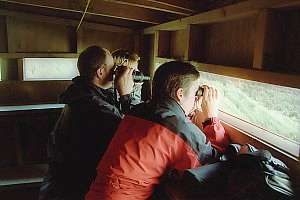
(157, 137)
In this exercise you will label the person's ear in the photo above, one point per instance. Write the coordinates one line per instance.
(179, 94)
(100, 72)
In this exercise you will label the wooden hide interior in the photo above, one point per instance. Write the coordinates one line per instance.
(255, 40)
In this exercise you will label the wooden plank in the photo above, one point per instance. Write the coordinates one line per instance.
(10, 33)
(229, 43)
(164, 41)
(102, 8)
(196, 43)
(3, 34)
(178, 44)
(38, 55)
(88, 37)
(46, 37)
(154, 53)
(31, 92)
(61, 21)
(137, 43)
(156, 5)
(231, 12)
(122, 12)
(190, 5)
(9, 69)
(288, 80)
(259, 42)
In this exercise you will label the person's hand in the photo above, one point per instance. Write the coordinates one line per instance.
(197, 104)
(124, 80)
(210, 101)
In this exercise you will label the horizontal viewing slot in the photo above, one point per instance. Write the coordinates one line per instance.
(48, 69)
(266, 111)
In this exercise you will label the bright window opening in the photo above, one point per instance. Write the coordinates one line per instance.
(270, 107)
(49, 68)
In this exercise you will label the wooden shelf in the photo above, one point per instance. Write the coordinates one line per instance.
(26, 174)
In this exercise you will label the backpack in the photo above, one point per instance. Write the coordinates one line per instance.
(255, 175)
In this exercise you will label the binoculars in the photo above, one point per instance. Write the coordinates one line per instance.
(138, 77)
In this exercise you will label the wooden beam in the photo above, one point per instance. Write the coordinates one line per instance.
(10, 35)
(281, 79)
(191, 5)
(236, 11)
(100, 8)
(195, 37)
(259, 43)
(155, 5)
(38, 55)
(126, 12)
(67, 22)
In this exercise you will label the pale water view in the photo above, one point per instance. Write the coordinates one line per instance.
(274, 108)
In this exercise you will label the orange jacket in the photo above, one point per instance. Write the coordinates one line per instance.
(145, 148)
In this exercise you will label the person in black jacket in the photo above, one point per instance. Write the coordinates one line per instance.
(86, 124)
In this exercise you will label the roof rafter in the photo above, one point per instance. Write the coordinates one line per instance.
(156, 5)
(101, 8)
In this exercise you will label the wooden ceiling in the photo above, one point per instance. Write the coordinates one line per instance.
(136, 14)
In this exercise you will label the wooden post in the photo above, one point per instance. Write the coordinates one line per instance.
(259, 44)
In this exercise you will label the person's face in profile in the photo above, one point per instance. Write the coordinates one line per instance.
(108, 67)
(188, 99)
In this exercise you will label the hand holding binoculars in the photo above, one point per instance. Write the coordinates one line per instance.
(138, 77)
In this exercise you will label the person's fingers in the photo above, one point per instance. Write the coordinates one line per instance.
(199, 98)
(213, 93)
(216, 94)
(131, 70)
(206, 91)
(210, 93)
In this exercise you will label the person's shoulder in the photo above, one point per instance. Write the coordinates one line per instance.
(142, 109)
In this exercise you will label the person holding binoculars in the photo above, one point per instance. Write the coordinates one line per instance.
(124, 58)
(86, 125)
(157, 137)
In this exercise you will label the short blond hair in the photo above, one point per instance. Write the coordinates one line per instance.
(124, 57)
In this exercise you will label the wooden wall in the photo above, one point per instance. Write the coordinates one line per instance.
(230, 43)
(282, 45)
(29, 37)
(260, 45)
(111, 41)
(3, 35)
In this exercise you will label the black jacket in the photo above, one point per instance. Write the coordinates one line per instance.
(80, 138)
